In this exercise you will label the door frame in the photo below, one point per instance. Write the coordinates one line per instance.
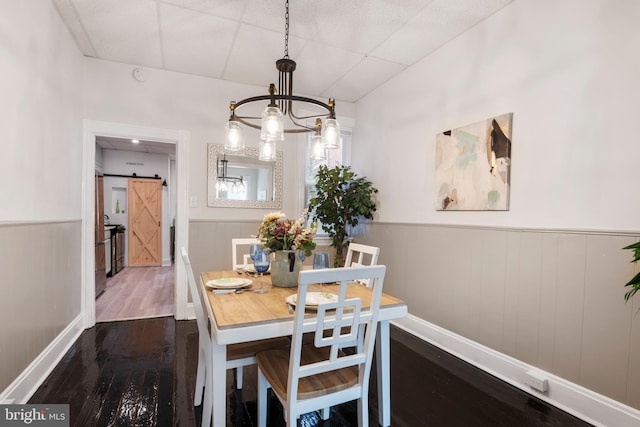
(92, 129)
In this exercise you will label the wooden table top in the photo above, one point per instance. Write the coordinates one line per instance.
(249, 308)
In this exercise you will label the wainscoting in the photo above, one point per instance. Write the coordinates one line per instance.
(551, 299)
(41, 289)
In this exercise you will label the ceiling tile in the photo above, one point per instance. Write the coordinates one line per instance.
(363, 78)
(438, 23)
(230, 9)
(254, 55)
(70, 17)
(195, 42)
(362, 26)
(320, 67)
(122, 30)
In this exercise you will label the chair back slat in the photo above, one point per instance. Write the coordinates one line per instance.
(241, 260)
(356, 257)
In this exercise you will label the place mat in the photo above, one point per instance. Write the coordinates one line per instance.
(228, 283)
(252, 270)
(314, 299)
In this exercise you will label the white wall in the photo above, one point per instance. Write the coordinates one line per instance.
(197, 104)
(568, 70)
(40, 114)
(40, 193)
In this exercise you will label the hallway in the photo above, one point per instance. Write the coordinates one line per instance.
(137, 293)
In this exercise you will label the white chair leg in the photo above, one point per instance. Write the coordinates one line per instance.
(363, 411)
(197, 400)
(239, 378)
(325, 413)
(263, 388)
(292, 420)
(207, 406)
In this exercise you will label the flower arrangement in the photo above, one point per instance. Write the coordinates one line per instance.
(279, 233)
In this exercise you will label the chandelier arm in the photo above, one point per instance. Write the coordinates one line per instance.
(329, 109)
(303, 129)
(295, 122)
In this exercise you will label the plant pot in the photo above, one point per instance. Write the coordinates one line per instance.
(285, 269)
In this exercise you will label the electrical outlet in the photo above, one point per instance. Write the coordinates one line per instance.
(536, 381)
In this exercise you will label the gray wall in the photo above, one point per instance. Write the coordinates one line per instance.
(553, 299)
(210, 243)
(40, 266)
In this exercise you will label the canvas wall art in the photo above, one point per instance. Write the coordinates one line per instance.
(473, 165)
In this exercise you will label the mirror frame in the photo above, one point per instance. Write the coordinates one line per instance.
(216, 150)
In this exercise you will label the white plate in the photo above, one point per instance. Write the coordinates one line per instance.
(228, 283)
(314, 299)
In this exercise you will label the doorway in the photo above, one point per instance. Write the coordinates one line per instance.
(178, 140)
(138, 213)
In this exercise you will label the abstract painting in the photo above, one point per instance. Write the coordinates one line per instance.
(473, 164)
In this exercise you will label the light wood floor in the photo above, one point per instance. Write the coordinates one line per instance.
(137, 293)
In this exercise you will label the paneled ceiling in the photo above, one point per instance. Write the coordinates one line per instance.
(344, 48)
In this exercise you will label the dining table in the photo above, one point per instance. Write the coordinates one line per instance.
(237, 317)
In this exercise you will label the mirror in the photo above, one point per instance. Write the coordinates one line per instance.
(241, 180)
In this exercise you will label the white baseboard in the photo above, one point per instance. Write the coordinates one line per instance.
(23, 387)
(583, 403)
(190, 312)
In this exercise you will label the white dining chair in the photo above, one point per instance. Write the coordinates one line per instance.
(317, 375)
(240, 258)
(359, 254)
(238, 355)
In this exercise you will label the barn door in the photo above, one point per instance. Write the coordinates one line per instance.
(145, 222)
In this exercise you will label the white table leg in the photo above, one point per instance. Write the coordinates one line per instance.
(384, 373)
(219, 383)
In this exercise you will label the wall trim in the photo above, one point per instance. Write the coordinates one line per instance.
(39, 222)
(26, 384)
(583, 403)
(227, 220)
(634, 233)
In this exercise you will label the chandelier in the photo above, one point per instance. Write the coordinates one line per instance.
(326, 130)
(237, 183)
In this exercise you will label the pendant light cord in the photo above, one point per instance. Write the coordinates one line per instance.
(286, 29)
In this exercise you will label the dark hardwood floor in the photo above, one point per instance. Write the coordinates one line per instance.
(142, 373)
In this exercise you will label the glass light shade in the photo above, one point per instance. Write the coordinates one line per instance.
(241, 187)
(267, 150)
(223, 186)
(234, 187)
(272, 125)
(331, 134)
(318, 152)
(233, 139)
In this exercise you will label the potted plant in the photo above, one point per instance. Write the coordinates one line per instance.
(342, 199)
(634, 283)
